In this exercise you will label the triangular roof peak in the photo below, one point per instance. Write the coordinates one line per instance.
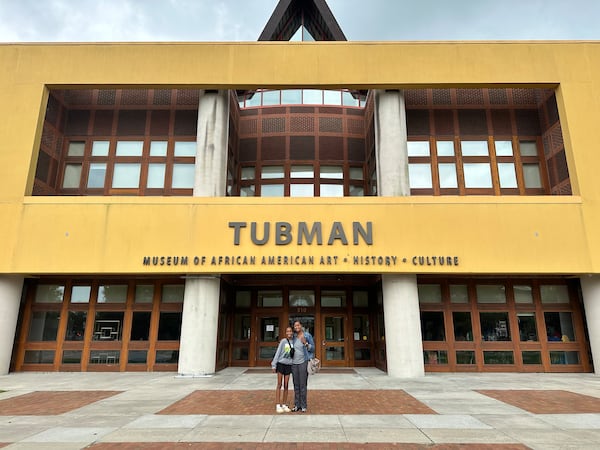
(314, 15)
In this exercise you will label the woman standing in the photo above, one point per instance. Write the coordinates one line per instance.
(282, 365)
(304, 346)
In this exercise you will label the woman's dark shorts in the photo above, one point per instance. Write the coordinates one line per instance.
(285, 369)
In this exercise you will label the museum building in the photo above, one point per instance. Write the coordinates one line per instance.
(419, 206)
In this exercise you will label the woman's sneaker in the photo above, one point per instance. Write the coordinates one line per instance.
(295, 409)
(279, 408)
(286, 408)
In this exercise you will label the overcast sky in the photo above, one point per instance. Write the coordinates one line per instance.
(243, 20)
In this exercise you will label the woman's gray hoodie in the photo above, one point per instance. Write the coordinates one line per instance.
(282, 355)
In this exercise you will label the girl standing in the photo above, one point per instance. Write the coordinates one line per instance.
(282, 365)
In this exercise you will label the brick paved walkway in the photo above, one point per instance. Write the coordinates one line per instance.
(284, 446)
(547, 402)
(50, 403)
(319, 402)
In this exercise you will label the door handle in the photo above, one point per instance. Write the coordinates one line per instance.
(324, 343)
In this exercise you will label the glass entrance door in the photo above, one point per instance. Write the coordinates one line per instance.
(334, 343)
(267, 338)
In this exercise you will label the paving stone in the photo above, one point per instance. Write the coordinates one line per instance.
(547, 401)
(69, 434)
(447, 421)
(49, 403)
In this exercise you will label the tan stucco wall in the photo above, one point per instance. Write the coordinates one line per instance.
(534, 235)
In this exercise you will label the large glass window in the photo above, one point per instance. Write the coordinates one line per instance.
(43, 326)
(432, 326)
(495, 326)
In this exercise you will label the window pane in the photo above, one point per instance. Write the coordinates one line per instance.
(360, 299)
(76, 149)
(432, 326)
(96, 176)
(531, 357)
(185, 148)
(349, 100)
(268, 299)
(291, 97)
(71, 357)
(503, 148)
(108, 326)
(447, 175)
(445, 148)
(271, 190)
(137, 356)
(270, 172)
(158, 148)
(169, 326)
(418, 148)
(435, 357)
(247, 191)
(115, 293)
(105, 356)
(39, 357)
(523, 294)
(312, 97)
(302, 172)
(459, 293)
(419, 176)
(564, 357)
(81, 294)
(183, 176)
(527, 327)
(75, 326)
(503, 357)
(559, 326)
(356, 173)
(43, 326)
(429, 293)
(173, 293)
(302, 190)
(357, 191)
(531, 173)
(302, 299)
(144, 293)
(332, 172)
(474, 148)
(255, 100)
(463, 329)
(140, 326)
(126, 176)
(477, 175)
(100, 148)
(495, 293)
(507, 175)
(243, 299)
(554, 293)
(241, 327)
(130, 148)
(494, 326)
(333, 299)
(49, 293)
(167, 356)
(248, 173)
(332, 190)
(360, 326)
(156, 176)
(270, 98)
(465, 357)
(528, 148)
(72, 176)
(332, 97)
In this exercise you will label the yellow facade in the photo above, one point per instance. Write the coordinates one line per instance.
(483, 235)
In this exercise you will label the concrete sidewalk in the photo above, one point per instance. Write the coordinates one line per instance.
(363, 408)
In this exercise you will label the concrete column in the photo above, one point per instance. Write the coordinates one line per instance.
(200, 318)
(198, 344)
(390, 144)
(211, 153)
(403, 344)
(10, 300)
(590, 289)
